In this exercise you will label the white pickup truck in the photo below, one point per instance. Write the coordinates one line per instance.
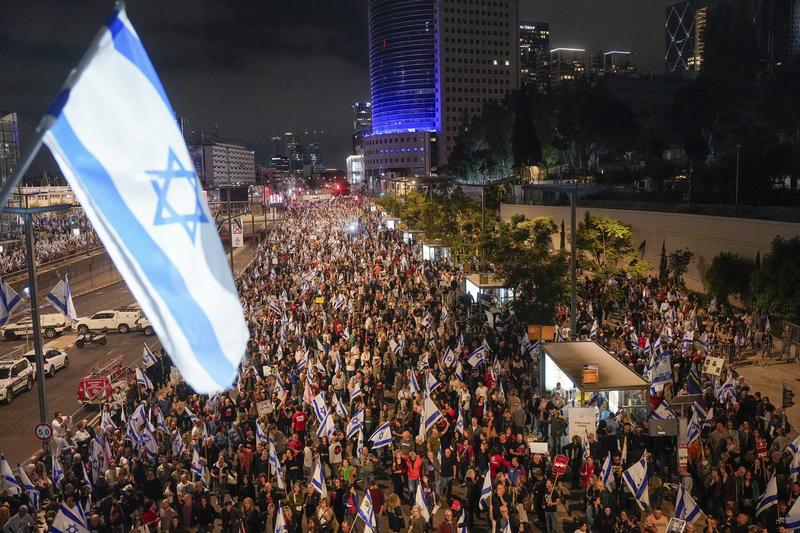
(51, 325)
(121, 320)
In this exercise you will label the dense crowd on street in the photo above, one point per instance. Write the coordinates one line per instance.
(373, 391)
(55, 239)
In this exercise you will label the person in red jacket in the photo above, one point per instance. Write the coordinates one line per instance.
(497, 463)
(414, 472)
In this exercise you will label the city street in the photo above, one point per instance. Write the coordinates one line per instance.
(17, 420)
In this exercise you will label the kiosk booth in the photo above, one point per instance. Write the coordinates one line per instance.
(411, 236)
(434, 251)
(488, 287)
(586, 371)
(391, 222)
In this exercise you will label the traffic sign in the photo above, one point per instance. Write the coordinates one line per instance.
(560, 465)
(43, 431)
(237, 237)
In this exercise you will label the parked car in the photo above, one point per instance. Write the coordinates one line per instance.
(53, 360)
(143, 325)
(51, 325)
(16, 376)
(121, 320)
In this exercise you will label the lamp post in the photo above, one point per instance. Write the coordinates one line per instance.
(573, 263)
(30, 247)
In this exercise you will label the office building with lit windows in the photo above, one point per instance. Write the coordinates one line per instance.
(684, 32)
(534, 55)
(362, 125)
(432, 63)
(566, 66)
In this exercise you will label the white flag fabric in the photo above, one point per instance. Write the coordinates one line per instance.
(793, 517)
(636, 479)
(685, 506)
(366, 512)
(148, 359)
(10, 484)
(114, 136)
(177, 444)
(58, 471)
(60, 297)
(431, 414)
(30, 488)
(197, 466)
(794, 447)
(663, 412)
(381, 437)
(486, 491)
(356, 423)
(606, 471)
(318, 480)
(142, 379)
(260, 435)
(770, 496)
(419, 499)
(70, 520)
(280, 521)
(10, 302)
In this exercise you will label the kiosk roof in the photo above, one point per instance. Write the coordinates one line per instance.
(571, 356)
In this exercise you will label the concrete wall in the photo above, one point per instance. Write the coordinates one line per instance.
(706, 236)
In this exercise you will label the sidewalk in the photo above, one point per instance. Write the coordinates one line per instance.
(769, 380)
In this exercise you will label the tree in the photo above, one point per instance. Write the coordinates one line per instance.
(663, 269)
(562, 240)
(679, 264)
(776, 285)
(606, 248)
(519, 252)
(729, 273)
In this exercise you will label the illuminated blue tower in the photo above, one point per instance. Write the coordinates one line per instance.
(402, 66)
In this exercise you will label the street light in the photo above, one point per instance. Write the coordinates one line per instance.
(26, 213)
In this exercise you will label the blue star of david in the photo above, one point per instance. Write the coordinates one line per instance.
(72, 528)
(166, 213)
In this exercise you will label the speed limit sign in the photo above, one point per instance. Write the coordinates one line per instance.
(43, 431)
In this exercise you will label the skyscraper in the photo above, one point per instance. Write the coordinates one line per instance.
(362, 124)
(9, 146)
(433, 62)
(534, 55)
(684, 32)
(277, 145)
(566, 65)
(777, 28)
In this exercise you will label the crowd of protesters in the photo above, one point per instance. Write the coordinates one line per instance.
(55, 239)
(348, 321)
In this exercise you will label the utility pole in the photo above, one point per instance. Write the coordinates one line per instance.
(30, 247)
(736, 194)
(230, 228)
(573, 263)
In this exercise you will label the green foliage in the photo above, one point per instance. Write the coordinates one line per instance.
(729, 273)
(679, 264)
(605, 246)
(482, 152)
(519, 251)
(776, 285)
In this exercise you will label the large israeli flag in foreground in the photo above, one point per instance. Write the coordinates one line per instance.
(114, 135)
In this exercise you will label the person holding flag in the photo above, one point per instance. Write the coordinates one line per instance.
(636, 479)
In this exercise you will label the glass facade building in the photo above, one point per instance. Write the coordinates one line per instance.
(402, 65)
(9, 145)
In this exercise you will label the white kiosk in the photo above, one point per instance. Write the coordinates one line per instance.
(391, 222)
(482, 286)
(434, 251)
(411, 236)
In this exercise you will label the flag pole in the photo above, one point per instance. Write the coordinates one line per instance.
(48, 119)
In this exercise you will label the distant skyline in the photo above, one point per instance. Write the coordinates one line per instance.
(259, 69)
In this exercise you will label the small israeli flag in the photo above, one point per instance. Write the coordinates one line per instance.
(142, 379)
(113, 133)
(148, 359)
(366, 512)
(486, 491)
(197, 465)
(381, 437)
(356, 423)
(280, 520)
(60, 297)
(70, 520)
(431, 413)
(10, 484)
(10, 302)
(58, 471)
(318, 480)
(607, 471)
(793, 517)
(636, 479)
(419, 500)
(685, 507)
(770, 496)
(415, 388)
(30, 488)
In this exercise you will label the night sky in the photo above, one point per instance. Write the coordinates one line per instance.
(257, 68)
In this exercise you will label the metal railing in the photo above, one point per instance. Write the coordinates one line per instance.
(23, 272)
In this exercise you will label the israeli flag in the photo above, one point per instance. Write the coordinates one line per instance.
(607, 471)
(770, 496)
(794, 447)
(113, 133)
(58, 471)
(280, 521)
(142, 379)
(60, 296)
(793, 518)
(190, 414)
(636, 479)
(486, 491)
(461, 527)
(431, 413)
(160, 422)
(341, 410)
(30, 488)
(663, 412)
(685, 506)
(10, 484)
(10, 301)
(431, 383)
(477, 356)
(419, 499)
(318, 480)
(415, 388)
(70, 520)
(260, 435)
(106, 422)
(449, 358)
(178, 445)
(381, 437)
(594, 330)
(460, 422)
(356, 423)
(148, 359)
(197, 466)
(326, 427)
(366, 512)
(320, 409)
(794, 468)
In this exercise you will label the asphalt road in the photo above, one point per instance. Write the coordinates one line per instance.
(17, 421)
